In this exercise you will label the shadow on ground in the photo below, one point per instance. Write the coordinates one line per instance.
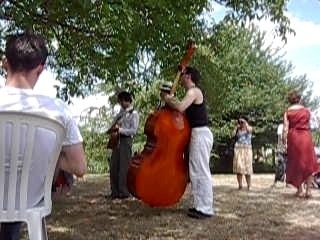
(263, 213)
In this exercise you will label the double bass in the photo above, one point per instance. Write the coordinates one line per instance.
(159, 174)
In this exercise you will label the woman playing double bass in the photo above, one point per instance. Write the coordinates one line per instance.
(193, 105)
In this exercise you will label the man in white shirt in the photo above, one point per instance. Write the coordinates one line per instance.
(25, 57)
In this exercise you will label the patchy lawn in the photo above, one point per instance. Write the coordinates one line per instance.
(263, 213)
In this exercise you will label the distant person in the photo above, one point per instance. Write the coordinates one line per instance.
(316, 178)
(302, 160)
(123, 128)
(63, 183)
(242, 159)
(281, 157)
(314, 121)
(25, 56)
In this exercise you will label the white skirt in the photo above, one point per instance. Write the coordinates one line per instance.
(242, 160)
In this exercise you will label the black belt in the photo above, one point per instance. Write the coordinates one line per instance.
(124, 136)
(300, 129)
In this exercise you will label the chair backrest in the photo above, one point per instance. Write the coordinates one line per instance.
(30, 145)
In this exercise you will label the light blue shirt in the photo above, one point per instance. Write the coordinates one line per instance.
(128, 120)
(244, 137)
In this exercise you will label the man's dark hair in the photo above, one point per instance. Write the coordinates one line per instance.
(195, 75)
(25, 51)
(125, 96)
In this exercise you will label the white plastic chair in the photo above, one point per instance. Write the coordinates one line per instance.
(21, 134)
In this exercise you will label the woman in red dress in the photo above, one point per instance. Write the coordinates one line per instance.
(302, 161)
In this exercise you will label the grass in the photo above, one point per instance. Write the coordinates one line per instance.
(263, 213)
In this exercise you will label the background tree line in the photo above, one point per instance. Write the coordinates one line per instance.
(241, 76)
(104, 46)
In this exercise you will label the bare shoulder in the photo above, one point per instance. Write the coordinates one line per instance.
(194, 91)
(198, 95)
(296, 107)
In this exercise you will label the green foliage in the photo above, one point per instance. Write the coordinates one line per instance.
(244, 77)
(240, 76)
(94, 41)
(95, 140)
(316, 138)
(96, 151)
(245, 11)
(105, 46)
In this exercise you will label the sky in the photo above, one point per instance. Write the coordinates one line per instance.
(302, 50)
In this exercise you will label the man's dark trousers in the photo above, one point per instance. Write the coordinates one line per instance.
(10, 231)
(119, 164)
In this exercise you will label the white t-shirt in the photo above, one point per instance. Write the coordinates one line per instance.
(26, 100)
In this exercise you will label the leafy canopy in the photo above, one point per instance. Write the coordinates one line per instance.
(242, 76)
(94, 41)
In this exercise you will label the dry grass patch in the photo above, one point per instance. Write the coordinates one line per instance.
(263, 213)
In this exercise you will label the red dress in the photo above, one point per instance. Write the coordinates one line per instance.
(302, 161)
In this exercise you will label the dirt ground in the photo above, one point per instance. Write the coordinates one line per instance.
(263, 213)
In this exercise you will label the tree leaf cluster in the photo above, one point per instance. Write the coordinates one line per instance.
(111, 45)
(243, 76)
(97, 41)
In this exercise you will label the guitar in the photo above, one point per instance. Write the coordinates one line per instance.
(114, 134)
(113, 131)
